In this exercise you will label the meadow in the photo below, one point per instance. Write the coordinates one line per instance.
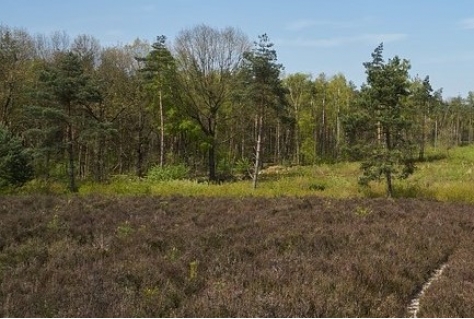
(308, 242)
(445, 175)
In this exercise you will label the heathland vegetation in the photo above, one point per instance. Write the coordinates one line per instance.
(154, 256)
(195, 178)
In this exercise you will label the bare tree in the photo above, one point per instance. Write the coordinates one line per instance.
(207, 61)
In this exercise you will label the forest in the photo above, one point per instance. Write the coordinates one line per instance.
(211, 103)
(194, 177)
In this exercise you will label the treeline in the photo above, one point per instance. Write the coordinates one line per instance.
(210, 99)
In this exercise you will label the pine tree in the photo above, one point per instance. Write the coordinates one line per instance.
(66, 95)
(15, 161)
(378, 128)
(160, 77)
(265, 87)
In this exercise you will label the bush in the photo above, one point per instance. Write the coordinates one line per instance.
(167, 173)
(243, 167)
(317, 187)
(15, 161)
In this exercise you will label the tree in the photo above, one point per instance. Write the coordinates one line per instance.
(16, 56)
(160, 69)
(266, 89)
(15, 160)
(207, 60)
(379, 127)
(67, 94)
(422, 99)
(299, 92)
(138, 108)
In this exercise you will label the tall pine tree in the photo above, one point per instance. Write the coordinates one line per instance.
(67, 92)
(379, 126)
(266, 89)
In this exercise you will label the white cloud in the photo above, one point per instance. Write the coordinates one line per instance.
(341, 41)
(467, 23)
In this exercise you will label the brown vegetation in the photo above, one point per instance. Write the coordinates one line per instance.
(217, 257)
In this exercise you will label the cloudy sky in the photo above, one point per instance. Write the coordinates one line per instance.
(310, 36)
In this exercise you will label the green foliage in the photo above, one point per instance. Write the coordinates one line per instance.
(317, 187)
(265, 86)
(89, 113)
(15, 161)
(67, 93)
(167, 173)
(379, 130)
(266, 90)
(243, 167)
(124, 230)
(362, 211)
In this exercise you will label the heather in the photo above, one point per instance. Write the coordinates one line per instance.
(165, 256)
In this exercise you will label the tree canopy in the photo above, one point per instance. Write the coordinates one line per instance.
(210, 101)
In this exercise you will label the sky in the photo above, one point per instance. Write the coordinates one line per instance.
(310, 36)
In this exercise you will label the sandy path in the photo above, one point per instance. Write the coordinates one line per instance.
(414, 305)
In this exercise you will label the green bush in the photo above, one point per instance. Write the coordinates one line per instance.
(168, 173)
(243, 167)
(15, 161)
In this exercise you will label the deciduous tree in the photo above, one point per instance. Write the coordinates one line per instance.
(207, 60)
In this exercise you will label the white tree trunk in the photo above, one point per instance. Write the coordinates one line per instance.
(258, 151)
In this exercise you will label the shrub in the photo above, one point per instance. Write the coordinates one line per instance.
(243, 167)
(317, 187)
(168, 173)
(15, 161)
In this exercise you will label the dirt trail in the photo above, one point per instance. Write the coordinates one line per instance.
(414, 305)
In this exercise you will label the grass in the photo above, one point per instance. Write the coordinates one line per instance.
(294, 181)
(447, 175)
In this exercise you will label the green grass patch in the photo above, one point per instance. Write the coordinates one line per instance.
(445, 175)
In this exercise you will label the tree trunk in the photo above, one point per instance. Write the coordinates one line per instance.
(212, 153)
(100, 173)
(278, 143)
(139, 167)
(71, 169)
(338, 127)
(315, 129)
(212, 162)
(322, 130)
(162, 130)
(388, 178)
(388, 173)
(258, 151)
(297, 136)
(421, 155)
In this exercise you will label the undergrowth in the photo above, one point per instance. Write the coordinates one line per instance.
(443, 176)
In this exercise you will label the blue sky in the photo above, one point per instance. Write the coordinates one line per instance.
(310, 36)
